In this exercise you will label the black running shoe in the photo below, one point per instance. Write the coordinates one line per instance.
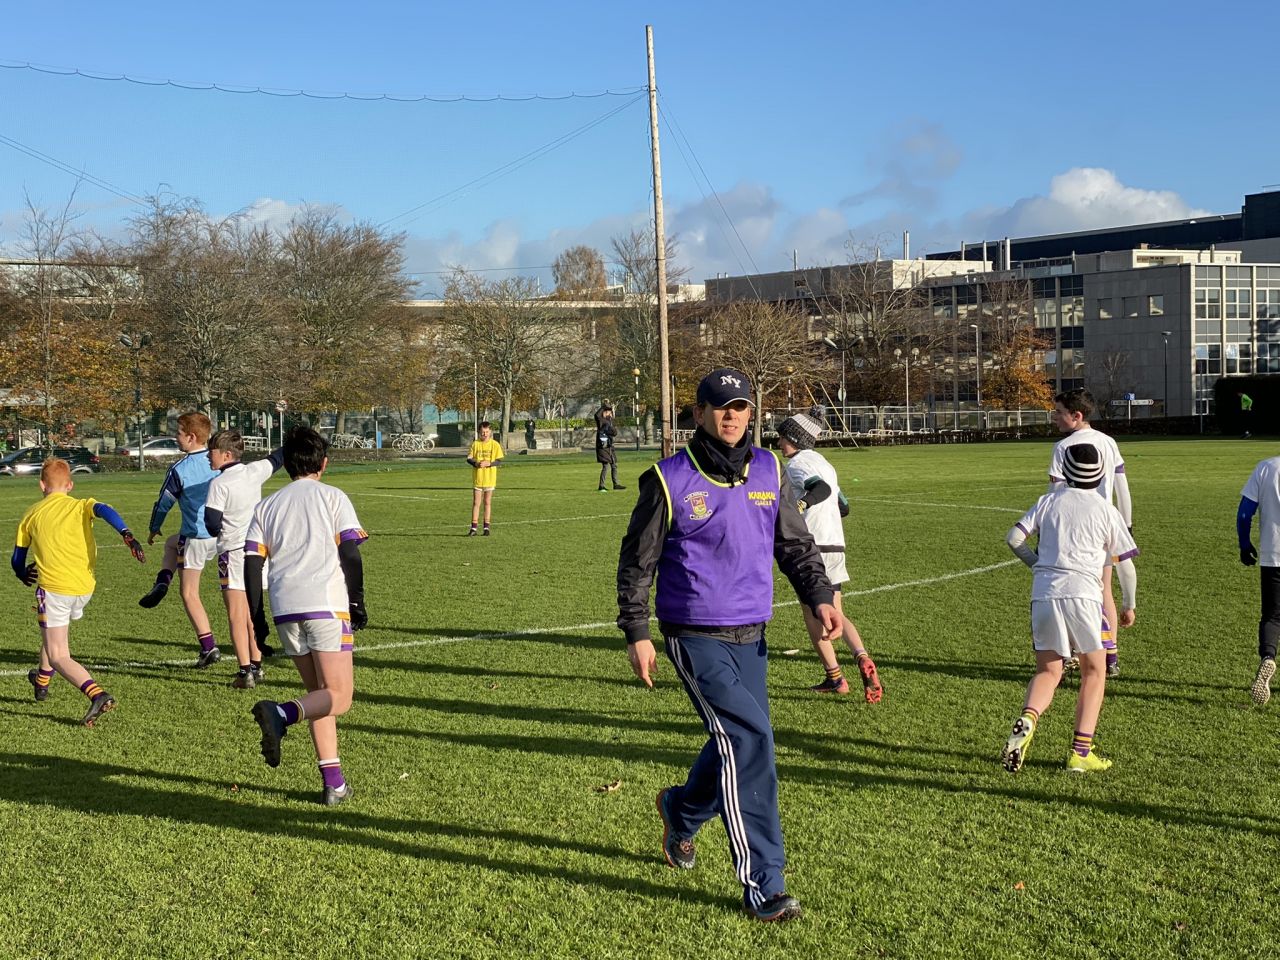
(154, 595)
(38, 689)
(777, 909)
(333, 796)
(619, 486)
(244, 680)
(101, 704)
(679, 853)
(273, 730)
(208, 658)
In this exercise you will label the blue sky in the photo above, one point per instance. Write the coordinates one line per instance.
(814, 123)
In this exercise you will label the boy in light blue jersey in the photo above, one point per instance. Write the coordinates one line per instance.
(186, 485)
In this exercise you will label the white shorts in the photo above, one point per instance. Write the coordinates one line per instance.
(231, 569)
(484, 489)
(837, 572)
(300, 637)
(58, 609)
(194, 553)
(1066, 627)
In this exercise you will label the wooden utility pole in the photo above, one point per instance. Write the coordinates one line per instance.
(659, 232)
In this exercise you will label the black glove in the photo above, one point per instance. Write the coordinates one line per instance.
(1248, 555)
(359, 615)
(134, 546)
(30, 577)
(1131, 529)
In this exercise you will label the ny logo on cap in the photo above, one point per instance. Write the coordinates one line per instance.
(728, 379)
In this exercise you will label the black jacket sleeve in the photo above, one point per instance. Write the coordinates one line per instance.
(638, 558)
(797, 555)
(253, 564)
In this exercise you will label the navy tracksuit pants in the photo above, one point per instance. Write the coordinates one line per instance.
(734, 775)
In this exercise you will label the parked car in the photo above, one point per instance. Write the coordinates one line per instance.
(159, 447)
(26, 462)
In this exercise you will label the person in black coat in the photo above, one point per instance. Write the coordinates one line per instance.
(606, 432)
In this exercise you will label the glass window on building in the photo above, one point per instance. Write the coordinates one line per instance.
(1130, 306)
(1072, 337)
(1239, 276)
(1209, 274)
(1071, 286)
(1046, 311)
(1208, 302)
(1239, 302)
(1104, 308)
(1268, 304)
(1155, 305)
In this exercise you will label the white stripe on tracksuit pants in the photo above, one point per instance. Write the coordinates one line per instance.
(734, 775)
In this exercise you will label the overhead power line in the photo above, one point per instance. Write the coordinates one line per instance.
(68, 168)
(413, 213)
(286, 92)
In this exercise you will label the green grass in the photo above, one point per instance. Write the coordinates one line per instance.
(476, 747)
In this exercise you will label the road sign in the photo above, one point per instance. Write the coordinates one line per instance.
(282, 406)
(1133, 403)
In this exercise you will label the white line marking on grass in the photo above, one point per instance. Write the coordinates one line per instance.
(921, 503)
(540, 631)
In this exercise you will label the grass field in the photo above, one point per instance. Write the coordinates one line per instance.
(493, 699)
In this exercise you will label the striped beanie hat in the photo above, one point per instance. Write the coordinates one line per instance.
(804, 429)
(1082, 465)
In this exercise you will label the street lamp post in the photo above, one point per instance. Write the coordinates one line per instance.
(977, 370)
(906, 364)
(635, 405)
(1166, 334)
(136, 343)
(790, 371)
(844, 423)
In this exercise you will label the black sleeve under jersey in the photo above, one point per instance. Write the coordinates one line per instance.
(638, 557)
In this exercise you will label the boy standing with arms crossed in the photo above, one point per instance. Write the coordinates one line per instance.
(484, 457)
(1079, 533)
(233, 494)
(310, 532)
(187, 484)
(1071, 413)
(59, 533)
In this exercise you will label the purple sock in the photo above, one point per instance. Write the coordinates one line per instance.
(206, 641)
(292, 712)
(331, 770)
(165, 577)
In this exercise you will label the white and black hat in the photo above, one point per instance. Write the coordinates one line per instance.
(1082, 465)
(803, 429)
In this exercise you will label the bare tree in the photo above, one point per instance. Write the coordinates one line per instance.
(1113, 380)
(871, 308)
(61, 360)
(340, 288)
(579, 273)
(211, 301)
(505, 329)
(1012, 381)
(769, 342)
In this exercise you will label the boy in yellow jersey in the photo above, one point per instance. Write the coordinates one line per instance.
(484, 457)
(59, 533)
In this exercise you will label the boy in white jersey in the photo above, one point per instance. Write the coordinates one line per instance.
(1071, 412)
(1079, 533)
(1261, 495)
(310, 532)
(817, 492)
(228, 508)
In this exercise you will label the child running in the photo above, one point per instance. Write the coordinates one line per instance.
(1079, 533)
(1071, 413)
(310, 533)
(817, 492)
(484, 457)
(187, 484)
(58, 532)
(233, 494)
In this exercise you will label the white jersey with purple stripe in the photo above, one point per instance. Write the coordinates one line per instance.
(299, 528)
(1079, 534)
(1112, 462)
(234, 492)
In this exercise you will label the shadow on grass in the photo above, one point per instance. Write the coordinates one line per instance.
(444, 669)
(177, 645)
(673, 722)
(97, 789)
(37, 715)
(930, 779)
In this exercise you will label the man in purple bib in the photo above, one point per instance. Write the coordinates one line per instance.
(709, 521)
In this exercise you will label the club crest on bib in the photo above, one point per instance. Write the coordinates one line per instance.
(698, 509)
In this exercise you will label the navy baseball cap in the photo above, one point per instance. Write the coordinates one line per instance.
(722, 387)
